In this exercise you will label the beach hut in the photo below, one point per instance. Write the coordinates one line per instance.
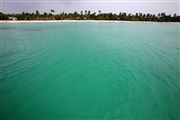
(12, 18)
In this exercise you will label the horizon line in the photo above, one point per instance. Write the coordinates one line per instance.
(55, 13)
(98, 1)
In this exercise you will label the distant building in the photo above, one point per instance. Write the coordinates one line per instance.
(78, 18)
(12, 18)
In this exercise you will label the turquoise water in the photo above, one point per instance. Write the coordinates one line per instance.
(126, 71)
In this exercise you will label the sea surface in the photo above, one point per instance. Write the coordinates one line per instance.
(92, 70)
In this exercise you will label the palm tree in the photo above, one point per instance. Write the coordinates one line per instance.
(136, 15)
(99, 11)
(174, 15)
(75, 15)
(93, 16)
(89, 12)
(23, 13)
(52, 10)
(161, 17)
(37, 12)
(45, 14)
(81, 16)
(85, 11)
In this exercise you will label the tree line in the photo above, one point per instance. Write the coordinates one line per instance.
(87, 15)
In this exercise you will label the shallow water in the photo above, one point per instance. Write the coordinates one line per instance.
(90, 71)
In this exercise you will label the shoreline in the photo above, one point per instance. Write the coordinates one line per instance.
(77, 21)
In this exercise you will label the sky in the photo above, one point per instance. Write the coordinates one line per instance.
(106, 6)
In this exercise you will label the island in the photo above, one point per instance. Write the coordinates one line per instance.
(88, 15)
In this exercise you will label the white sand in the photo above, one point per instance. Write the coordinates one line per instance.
(40, 21)
(32, 21)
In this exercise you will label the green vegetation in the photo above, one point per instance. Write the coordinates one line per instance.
(87, 15)
(3, 16)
